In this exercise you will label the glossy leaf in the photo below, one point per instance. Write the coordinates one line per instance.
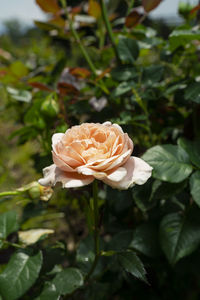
(193, 150)
(195, 187)
(150, 4)
(8, 223)
(68, 281)
(128, 50)
(132, 264)
(192, 92)
(179, 236)
(64, 283)
(170, 163)
(19, 275)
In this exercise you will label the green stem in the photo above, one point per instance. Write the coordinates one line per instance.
(109, 28)
(76, 36)
(130, 7)
(144, 108)
(96, 230)
(82, 48)
(9, 193)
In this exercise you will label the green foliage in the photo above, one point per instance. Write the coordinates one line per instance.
(83, 65)
(22, 271)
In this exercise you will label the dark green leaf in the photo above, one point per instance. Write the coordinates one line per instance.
(192, 149)
(128, 50)
(152, 74)
(195, 187)
(179, 236)
(132, 264)
(19, 275)
(49, 292)
(170, 163)
(123, 88)
(68, 281)
(8, 223)
(123, 73)
(182, 37)
(192, 92)
(121, 240)
(145, 240)
(64, 283)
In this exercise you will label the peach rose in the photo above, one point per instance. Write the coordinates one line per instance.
(89, 151)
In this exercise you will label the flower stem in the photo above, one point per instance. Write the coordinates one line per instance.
(9, 193)
(109, 28)
(96, 229)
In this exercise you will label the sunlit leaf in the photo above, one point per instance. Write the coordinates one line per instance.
(170, 163)
(50, 6)
(94, 9)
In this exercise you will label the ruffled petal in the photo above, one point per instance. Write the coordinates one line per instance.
(108, 123)
(60, 163)
(53, 174)
(56, 138)
(138, 172)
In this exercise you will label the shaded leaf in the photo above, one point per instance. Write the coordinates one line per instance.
(195, 187)
(192, 149)
(145, 239)
(64, 283)
(22, 271)
(123, 73)
(128, 50)
(192, 92)
(8, 223)
(132, 264)
(68, 281)
(120, 241)
(123, 88)
(170, 163)
(179, 236)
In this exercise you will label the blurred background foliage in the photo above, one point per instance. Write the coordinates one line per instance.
(94, 61)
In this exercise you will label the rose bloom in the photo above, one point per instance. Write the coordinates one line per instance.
(93, 150)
